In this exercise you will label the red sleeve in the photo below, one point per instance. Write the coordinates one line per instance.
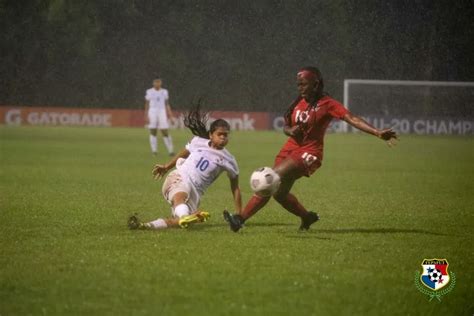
(337, 110)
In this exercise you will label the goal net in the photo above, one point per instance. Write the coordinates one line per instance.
(418, 107)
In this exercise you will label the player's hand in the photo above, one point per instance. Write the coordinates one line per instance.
(294, 131)
(159, 171)
(389, 136)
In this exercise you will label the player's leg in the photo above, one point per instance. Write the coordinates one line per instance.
(153, 141)
(174, 190)
(182, 216)
(236, 221)
(289, 171)
(163, 126)
(184, 201)
(283, 167)
(179, 199)
(168, 141)
(185, 211)
(153, 127)
(256, 203)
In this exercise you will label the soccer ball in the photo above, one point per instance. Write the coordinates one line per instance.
(264, 181)
(435, 275)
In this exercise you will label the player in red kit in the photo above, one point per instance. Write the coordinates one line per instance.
(306, 121)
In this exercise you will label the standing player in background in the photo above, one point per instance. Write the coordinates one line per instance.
(306, 121)
(157, 114)
(197, 167)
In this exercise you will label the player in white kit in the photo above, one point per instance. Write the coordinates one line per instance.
(158, 113)
(197, 166)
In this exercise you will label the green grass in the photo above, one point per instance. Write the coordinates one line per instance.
(65, 194)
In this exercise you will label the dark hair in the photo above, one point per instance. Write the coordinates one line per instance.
(196, 121)
(319, 92)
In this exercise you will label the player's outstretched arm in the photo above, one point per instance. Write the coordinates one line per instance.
(388, 135)
(160, 170)
(234, 187)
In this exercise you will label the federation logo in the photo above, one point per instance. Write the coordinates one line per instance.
(435, 280)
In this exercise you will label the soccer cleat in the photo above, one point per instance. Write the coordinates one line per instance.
(236, 222)
(198, 217)
(309, 220)
(172, 154)
(203, 216)
(134, 223)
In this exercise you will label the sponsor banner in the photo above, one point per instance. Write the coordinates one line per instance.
(402, 125)
(11, 115)
(241, 121)
(53, 116)
(421, 126)
(248, 121)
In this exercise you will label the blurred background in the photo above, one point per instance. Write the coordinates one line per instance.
(239, 55)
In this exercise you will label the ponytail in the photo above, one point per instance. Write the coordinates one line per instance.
(196, 122)
(290, 109)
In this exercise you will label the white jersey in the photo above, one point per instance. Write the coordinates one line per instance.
(205, 164)
(157, 99)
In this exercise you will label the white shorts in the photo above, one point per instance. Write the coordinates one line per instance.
(158, 120)
(175, 183)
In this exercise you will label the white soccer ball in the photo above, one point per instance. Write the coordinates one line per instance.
(264, 181)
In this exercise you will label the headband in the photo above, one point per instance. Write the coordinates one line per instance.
(307, 74)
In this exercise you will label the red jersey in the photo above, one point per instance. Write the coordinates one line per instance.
(313, 121)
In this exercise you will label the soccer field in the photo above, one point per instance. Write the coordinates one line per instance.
(65, 248)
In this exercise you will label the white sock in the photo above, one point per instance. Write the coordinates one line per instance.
(158, 224)
(153, 143)
(168, 143)
(181, 210)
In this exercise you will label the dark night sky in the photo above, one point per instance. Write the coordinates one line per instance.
(237, 54)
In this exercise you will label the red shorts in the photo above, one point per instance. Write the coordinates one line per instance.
(307, 163)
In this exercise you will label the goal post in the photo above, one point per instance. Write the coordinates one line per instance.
(417, 107)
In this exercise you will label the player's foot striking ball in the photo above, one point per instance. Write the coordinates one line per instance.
(306, 121)
(197, 167)
(235, 221)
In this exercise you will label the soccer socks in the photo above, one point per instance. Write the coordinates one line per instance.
(181, 210)
(254, 205)
(166, 139)
(153, 143)
(168, 143)
(291, 204)
(158, 224)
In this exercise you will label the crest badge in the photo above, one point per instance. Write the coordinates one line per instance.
(435, 280)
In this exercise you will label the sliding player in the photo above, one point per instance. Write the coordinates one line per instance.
(158, 113)
(197, 167)
(306, 121)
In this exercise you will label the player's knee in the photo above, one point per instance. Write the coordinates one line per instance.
(153, 131)
(179, 198)
(280, 197)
